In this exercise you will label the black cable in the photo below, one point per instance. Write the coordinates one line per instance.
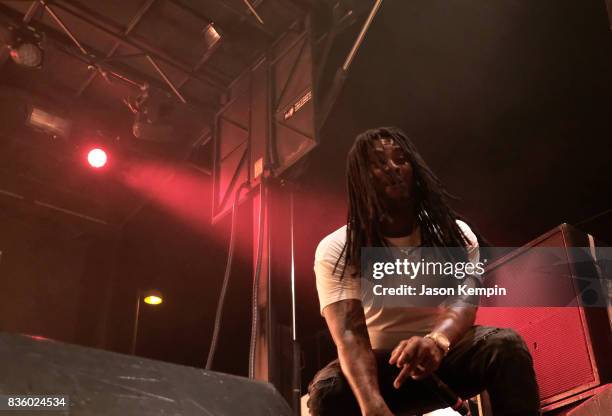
(452, 399)
(228, 271)
(255, 295)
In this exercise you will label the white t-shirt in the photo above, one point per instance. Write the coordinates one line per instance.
(386, 326)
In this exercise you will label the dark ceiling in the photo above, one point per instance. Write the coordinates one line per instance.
(97, 57)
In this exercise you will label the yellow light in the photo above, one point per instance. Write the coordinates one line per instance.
(152, 297)
(153, 300)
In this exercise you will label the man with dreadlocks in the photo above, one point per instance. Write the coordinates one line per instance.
(395, 200)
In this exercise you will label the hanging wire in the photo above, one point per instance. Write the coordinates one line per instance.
(228, 271)
(255, 297)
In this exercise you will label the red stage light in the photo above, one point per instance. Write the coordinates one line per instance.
(97, 158)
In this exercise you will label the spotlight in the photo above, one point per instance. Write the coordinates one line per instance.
(27, 54)
(211, 35)
(46, 122)
(152, 116)
(26, 47)
(97, 158)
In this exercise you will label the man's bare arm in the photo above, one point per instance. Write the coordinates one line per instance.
(347, 325)
(455, 321)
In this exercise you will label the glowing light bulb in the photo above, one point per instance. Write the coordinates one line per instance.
(153, 300)
(97, 158)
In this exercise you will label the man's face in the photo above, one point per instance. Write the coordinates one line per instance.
(391, 171)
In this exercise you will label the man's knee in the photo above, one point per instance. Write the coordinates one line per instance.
(329, 392)
(506, 338)
(322, 394)
(329, 396)
(507, 342)
(510, 377)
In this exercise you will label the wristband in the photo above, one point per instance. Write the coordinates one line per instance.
(441, 341)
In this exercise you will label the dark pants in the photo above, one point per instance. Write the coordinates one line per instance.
(495, 359)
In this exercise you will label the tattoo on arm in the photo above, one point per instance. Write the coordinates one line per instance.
(349, 322)
(347, 325)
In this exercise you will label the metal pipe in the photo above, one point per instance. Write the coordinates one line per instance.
(53, 207)
(245, 17)
(125, 79)
(252, 9)
(138, 16)
(58, 40)
(256, 279)
(131, 25)
(168, 81)
(199, 168)
(90, 79)
(131, 75)
(31, 12)
(11, 194)
(292, 245)
(271, 148)
(342, 72)
(63, 26)
(136, 319)
(362, 33)
(70, 212)
(296, 389)
(141, 46)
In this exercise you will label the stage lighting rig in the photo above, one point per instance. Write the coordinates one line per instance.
(51, 124)
(211, 36)
(152, 113)
(26, 46)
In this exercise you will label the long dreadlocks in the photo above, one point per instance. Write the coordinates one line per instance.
(434, 216)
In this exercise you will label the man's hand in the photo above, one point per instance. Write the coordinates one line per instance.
(418, 356)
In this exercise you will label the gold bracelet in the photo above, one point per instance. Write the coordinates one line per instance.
(441, 341)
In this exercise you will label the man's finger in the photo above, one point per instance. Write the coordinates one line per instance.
(403, 375)
(396, 352)
(428, 365)
(408, 354)
(421, 371)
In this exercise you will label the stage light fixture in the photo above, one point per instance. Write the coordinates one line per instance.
(211, 36)
(25, 47)
(97, 158)
(46, 122)
(27, 54)
(152, 115)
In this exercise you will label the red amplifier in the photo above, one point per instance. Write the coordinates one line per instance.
(570, 345)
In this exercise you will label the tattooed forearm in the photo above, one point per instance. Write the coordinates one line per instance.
(347, 325)
(350, 322)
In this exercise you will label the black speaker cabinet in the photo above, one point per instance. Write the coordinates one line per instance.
(105, 383)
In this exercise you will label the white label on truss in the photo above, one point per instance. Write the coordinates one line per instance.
(258, 167)
(298, 105)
